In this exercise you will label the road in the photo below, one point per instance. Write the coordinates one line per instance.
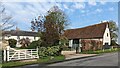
(108, 59)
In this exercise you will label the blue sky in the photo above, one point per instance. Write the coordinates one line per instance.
(79, 14)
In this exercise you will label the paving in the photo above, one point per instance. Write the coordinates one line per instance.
(72, 56)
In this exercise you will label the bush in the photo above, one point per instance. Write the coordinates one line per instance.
(12, 43)
(49, 51)
(113, 43)
(42, 52)
(33, 45)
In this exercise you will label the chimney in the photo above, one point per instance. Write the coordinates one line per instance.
(17, 29)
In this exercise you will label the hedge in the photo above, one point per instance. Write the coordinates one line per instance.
(49, 51)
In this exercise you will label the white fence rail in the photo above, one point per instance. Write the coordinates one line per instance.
(13, 54)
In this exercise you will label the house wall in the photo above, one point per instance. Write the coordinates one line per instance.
(88, 44)
(106, 36)
(32, 38)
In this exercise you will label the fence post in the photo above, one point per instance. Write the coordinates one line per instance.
(25, 53)
(31, 53)
(4, 55)
(8, 48)
(19, 54)
(37, 53)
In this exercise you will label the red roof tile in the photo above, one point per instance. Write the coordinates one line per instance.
(93, 31)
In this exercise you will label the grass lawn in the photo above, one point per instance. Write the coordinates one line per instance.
(44, 60)
(101, 51)
(0, 65)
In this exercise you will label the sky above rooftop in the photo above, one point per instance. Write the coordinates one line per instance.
(79, 14)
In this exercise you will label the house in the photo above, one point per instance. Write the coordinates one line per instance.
(91, 37)
(17, 35)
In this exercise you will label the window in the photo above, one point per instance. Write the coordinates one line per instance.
(107, 34)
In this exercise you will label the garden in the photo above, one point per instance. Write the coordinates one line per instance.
(47, 54)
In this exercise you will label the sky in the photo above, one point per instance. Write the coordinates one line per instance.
(80, 13)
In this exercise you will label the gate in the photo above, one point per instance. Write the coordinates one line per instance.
(14, 54)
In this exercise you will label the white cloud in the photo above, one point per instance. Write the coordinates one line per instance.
(65, 6)
(79, 5)
(102, 2)
(111, 9)
(99, 10)
(92, 2)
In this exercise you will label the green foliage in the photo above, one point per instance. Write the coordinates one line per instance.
(63, 41)
(113, 30)
(51, 26)
(42, 52)
(12, 43)
(48, 51)
(33, 45)
(100, 51)
(113, 43)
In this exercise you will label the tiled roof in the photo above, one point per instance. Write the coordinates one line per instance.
(19, 33)
(93, 31)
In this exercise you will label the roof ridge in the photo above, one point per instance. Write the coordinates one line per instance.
(89, 26)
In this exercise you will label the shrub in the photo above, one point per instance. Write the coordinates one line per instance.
(113, 43)
(49, 51)
(42, 52)
(33, 45)
(12, 43)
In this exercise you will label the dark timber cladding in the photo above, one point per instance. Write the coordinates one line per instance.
(89, 32)
(19, 33)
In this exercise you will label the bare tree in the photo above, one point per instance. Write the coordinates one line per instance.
(6, 21)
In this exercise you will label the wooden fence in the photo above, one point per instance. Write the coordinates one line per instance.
(14, 54)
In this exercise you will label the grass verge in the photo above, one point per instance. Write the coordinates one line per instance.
(40, 61)
(101, 51)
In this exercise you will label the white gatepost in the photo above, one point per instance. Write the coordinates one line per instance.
(70, 43)
(8, 48)
(80, 50)
(4, 56)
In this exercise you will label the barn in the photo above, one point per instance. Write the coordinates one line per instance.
(91, 37)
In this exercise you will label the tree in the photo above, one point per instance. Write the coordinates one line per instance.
(24, 42)
(6, 20)
(113, 32)
(54, 24)
(12, 43)
(37, 24)
(51, 26)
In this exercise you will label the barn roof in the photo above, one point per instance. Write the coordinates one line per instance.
(92, 31)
